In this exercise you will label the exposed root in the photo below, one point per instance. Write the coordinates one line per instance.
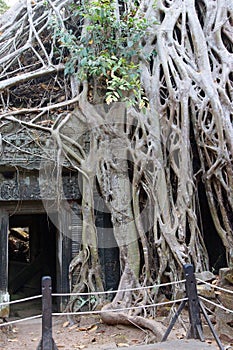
(147, 167)
(115, 318)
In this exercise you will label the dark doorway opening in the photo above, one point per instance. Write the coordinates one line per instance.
(214, 245)
(108, 251)
(215, 248)
(31, 254)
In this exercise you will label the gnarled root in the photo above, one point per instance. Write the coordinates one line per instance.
(112, 317)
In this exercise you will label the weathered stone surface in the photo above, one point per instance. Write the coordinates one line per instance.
(205, 276)
(224, 319)
(187, 344)
(224, 324)
(206, 291)
(226, 282)
(27, 186)
(26, 150)
(226, 298)
(226, 275)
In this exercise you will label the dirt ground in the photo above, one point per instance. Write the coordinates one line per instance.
(89, 333)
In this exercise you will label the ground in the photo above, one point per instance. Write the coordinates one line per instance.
(89, 333)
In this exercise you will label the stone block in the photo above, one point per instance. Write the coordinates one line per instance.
(206, 291)
(205, 276)
(224, 324)
(226, 275)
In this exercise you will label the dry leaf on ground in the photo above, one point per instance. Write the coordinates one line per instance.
(65, 324)
(123, 345)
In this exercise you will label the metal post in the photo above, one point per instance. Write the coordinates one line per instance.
(173, 321)
(47, 342)
(4, 296)
(195, 331)
(194, 308)
(218, 341)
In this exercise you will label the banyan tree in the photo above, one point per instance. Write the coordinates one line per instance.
(136, 96)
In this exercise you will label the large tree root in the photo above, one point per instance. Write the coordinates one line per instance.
(115, 318)
(147, 167)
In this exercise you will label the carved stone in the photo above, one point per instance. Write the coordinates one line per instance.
(26, 186)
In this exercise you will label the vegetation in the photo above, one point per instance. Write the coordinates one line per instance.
(107, 53)
(3, 7)
(137, 97)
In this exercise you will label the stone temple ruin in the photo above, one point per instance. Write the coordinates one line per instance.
(38, 236)
(40, 214)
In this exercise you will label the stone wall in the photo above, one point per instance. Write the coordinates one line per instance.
(26, 185)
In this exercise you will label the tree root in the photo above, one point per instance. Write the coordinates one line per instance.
(115, 318)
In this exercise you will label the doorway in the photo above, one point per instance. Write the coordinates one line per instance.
(31, 254)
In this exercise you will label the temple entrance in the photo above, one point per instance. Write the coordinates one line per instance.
(31, 254)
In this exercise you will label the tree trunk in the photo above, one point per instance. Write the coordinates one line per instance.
(146, 164)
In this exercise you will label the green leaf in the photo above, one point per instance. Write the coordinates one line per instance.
(108, 46)
(108, 99)
(83, 61)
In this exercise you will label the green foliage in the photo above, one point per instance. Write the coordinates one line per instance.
(3, 7)
(106, 50)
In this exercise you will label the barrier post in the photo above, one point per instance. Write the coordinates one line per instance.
(195, 331)
(47, 342)
(194, 308)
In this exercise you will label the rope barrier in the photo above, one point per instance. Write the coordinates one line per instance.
(93, 312)
(182, 300)
(216, 287)
(118, 290)
(217, 305)
(20, 300)
(91, 293)
(21, 320)
(117, 310)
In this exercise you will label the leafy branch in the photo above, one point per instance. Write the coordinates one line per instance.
(106, 50)
(3, 7)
